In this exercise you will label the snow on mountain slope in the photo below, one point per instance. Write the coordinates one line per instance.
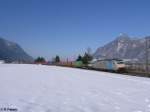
(123, 47)
(37, 88)
(12, 52)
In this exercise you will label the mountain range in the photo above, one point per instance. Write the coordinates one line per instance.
(12, 52)
(123, 47)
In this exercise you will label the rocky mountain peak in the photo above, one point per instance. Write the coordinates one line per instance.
(122, 37)
(123, 47)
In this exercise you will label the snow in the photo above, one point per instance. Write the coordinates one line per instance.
(2, 61)
(120, 45)
(39, 88)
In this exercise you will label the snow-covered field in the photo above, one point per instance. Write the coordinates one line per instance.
(39, 88)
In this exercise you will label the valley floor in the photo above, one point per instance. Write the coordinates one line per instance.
(39, 88)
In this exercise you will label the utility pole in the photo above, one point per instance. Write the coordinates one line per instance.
(147, 43)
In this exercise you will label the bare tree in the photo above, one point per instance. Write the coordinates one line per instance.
(89, 51)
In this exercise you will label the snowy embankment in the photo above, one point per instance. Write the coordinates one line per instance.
(37, 88)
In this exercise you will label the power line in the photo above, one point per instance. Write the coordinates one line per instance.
(147, 43)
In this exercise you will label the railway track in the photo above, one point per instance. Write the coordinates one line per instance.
(124, 72)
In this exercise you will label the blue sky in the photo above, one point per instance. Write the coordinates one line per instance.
(68, 27)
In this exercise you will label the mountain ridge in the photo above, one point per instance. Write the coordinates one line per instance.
(123, 47)
(12, 52)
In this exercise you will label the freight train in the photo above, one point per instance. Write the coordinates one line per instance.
(105, 65)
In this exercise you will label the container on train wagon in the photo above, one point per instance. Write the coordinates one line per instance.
(78, 64)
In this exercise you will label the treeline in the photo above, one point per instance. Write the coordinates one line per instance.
(85, 59)
(41, 60)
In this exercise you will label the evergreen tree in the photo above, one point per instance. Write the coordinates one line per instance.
(86, 58)
(57, 59)
(40, 60)
(79, 58)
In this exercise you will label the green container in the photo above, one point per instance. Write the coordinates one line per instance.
(78, 64)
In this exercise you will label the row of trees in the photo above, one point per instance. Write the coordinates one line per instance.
(42, 59)
(85, 58)
(39, 60)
